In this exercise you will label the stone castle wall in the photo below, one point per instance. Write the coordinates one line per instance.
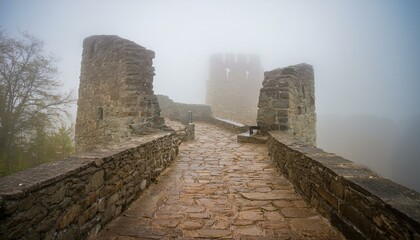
(233, 86)
(358, 202)
(361, 204)
(178, 111)
(116, 99)
(74, 198)
(287, 102)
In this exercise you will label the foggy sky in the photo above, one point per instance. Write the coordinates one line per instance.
(366, 54)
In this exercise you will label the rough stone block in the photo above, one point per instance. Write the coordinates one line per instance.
(113, 199)
(27, 203)
(359, 201)
(356, 217)
(69, 216)
(57, 197)
(97, 180)
(328, 197)
(346, 228)
(280, 104)
(287, 97)
(282, 113)
(337, 188)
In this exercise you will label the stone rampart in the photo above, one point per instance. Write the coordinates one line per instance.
(287, 102)
(74, 198)
(361, 204)
(179, 111)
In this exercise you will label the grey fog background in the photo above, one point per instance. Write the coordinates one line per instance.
(366, 56)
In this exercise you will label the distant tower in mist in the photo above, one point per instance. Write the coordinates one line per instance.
(233, 86)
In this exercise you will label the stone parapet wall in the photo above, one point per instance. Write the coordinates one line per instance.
(229, 125)
(74, 198)
(287, 102)
(361, 204)
(178, 111)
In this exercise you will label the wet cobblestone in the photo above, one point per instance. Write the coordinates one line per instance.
(219, 188)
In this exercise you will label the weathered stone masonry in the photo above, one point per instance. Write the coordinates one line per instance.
(287, 102)
(178, 111)
(116, 99)
(74, 198)
(361, 204)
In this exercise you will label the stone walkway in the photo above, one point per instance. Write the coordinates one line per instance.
(220, 189)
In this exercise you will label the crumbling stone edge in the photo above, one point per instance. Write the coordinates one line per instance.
(200, 112)
(74, 198)
(179, 111)
(358, 202)
(229, 125)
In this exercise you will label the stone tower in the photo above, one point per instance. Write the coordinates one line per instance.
(116, 98)
(287, 102)
(233, 86)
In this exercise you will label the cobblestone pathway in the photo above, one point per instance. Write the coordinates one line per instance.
(220, 189)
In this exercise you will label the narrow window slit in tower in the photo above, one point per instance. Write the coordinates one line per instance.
(100, 114)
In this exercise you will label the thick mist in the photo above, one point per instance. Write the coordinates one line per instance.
(365, 55)
(391, 148)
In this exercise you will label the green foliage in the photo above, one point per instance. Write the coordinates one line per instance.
(30, 102)
(45, 147)
(61, 144)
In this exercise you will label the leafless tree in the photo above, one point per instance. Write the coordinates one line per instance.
(29, 89)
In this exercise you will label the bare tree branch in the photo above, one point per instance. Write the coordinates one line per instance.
(29, 95)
